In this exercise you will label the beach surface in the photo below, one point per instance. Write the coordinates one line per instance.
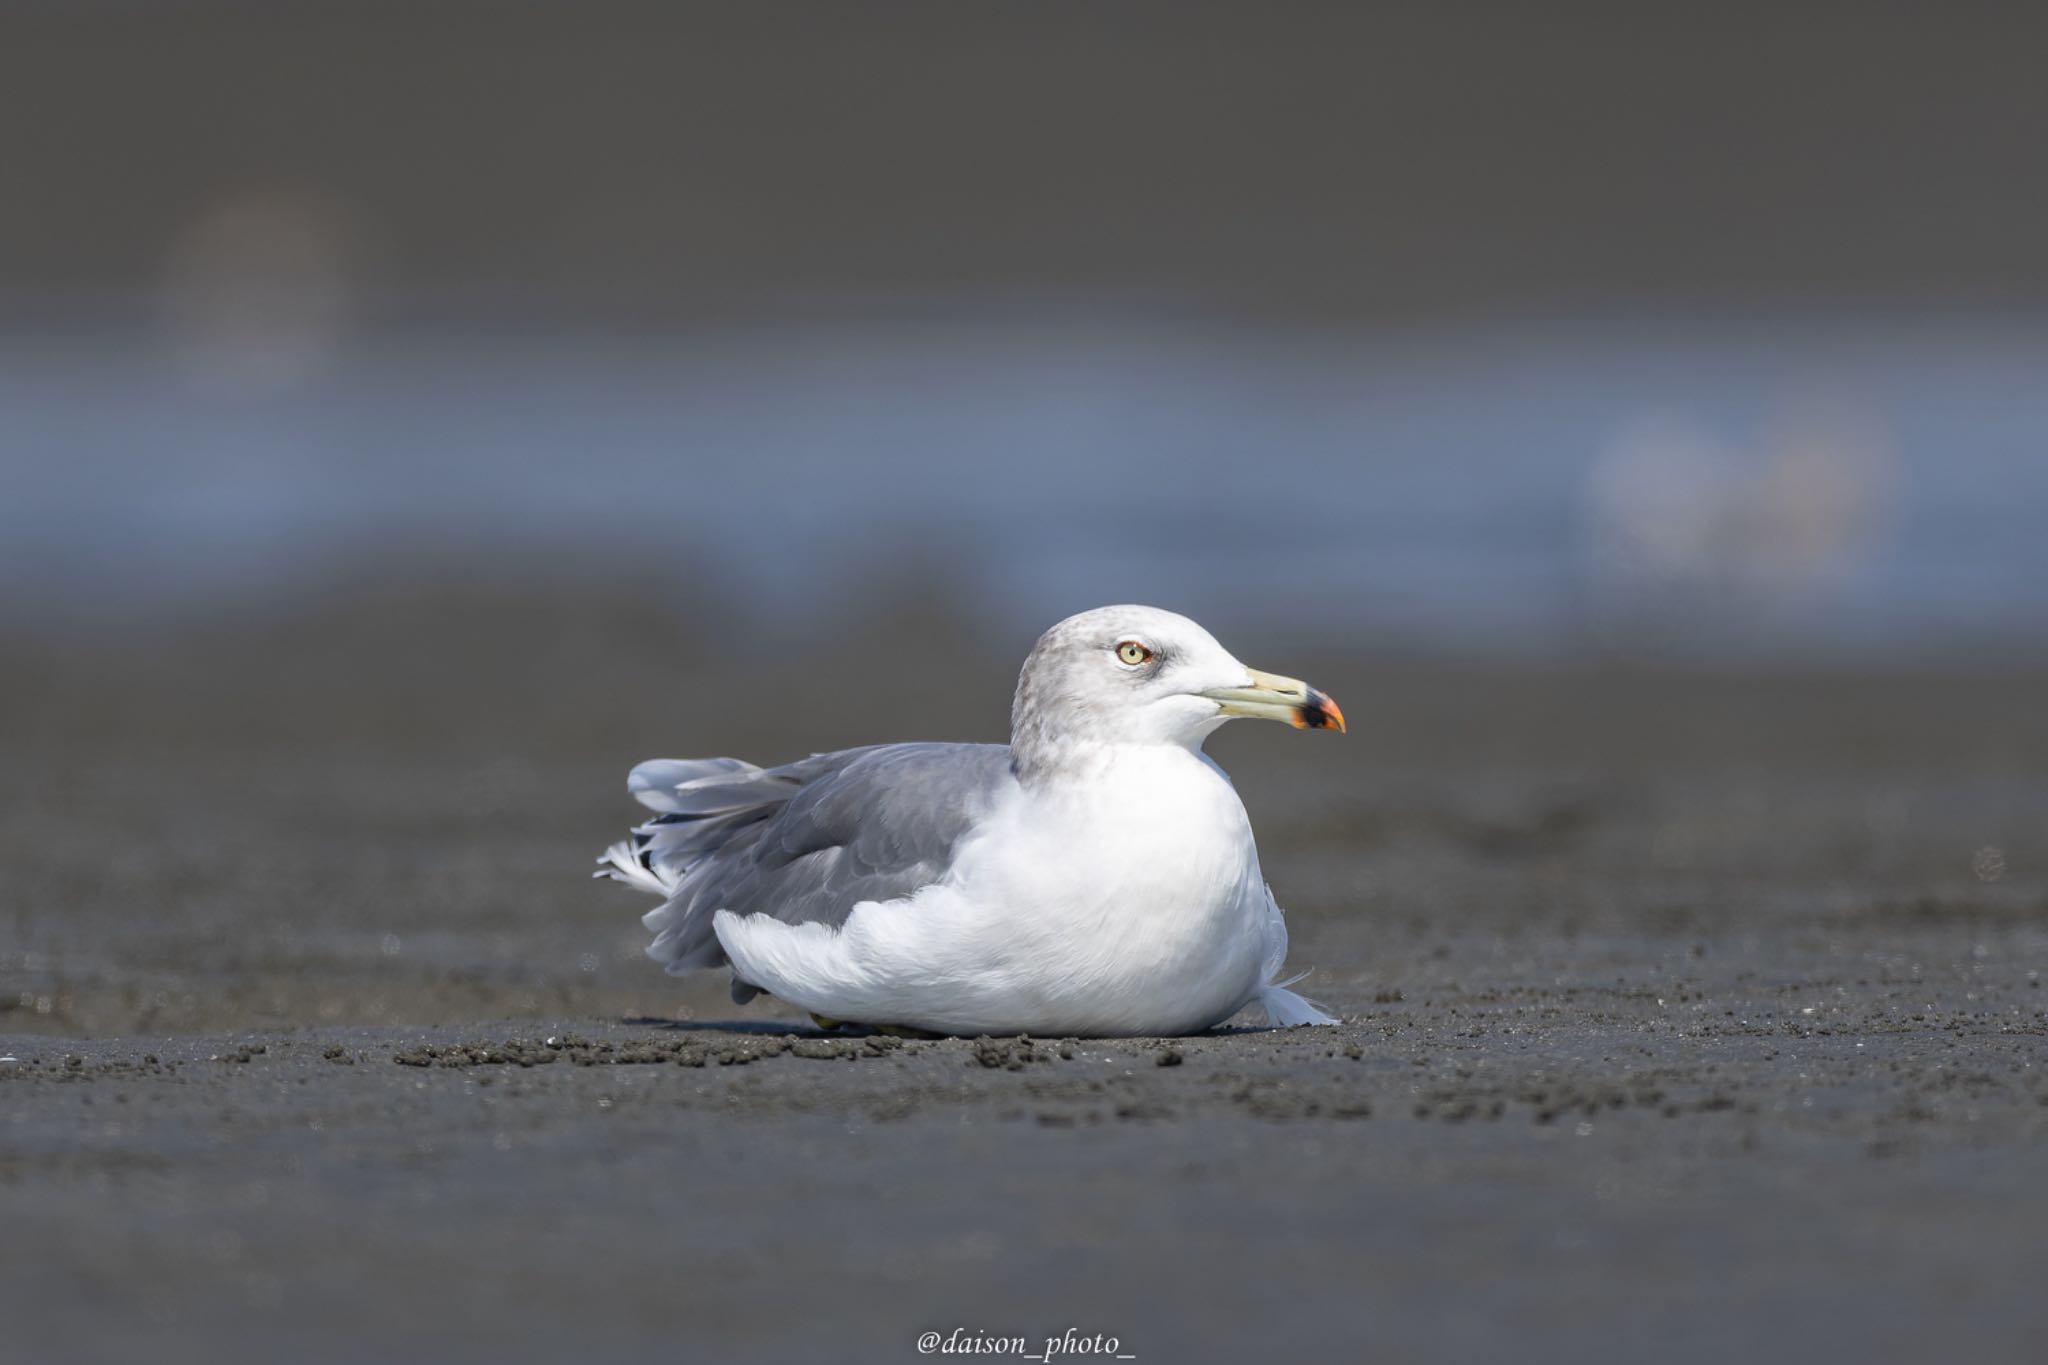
(1689, 1015)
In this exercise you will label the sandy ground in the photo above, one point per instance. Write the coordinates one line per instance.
(1687, 1017)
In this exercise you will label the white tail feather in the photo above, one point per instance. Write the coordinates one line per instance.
(621, 862)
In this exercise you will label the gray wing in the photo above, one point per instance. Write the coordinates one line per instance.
(805, 842)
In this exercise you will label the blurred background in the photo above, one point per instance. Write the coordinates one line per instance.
(1476, 330)
(410, 412)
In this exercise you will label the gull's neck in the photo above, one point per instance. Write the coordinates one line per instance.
(1046, 761)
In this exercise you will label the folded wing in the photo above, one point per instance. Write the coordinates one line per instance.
(804, 843)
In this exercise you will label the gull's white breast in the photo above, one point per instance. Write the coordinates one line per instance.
(1126, 902)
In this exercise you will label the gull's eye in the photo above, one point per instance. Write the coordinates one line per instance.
(1133, 653)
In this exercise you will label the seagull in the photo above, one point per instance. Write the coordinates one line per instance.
(1094, 877)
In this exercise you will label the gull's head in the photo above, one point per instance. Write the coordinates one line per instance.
(1139, 675)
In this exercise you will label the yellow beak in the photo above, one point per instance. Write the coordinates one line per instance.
(1272, 697)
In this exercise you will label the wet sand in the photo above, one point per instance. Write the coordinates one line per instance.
(1688, 1016)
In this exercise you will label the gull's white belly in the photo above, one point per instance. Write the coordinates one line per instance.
(1129, 904)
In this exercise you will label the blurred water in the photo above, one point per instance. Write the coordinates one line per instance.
(1778, 488)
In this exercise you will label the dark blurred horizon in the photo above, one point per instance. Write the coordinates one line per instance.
(1490, 329)
(677, 163)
